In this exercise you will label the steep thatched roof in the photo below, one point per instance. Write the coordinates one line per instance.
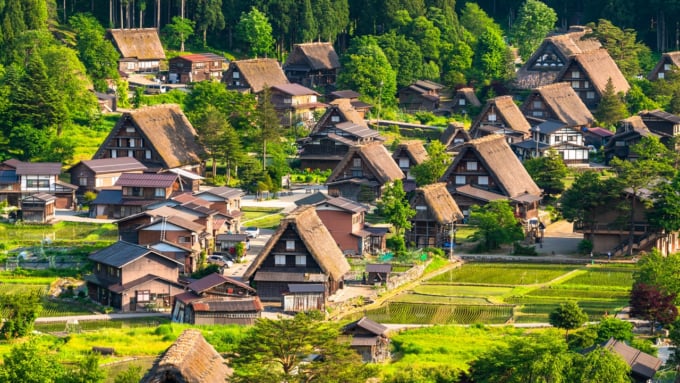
(344, 106)
(414, 149)
(441, 205)
(376, 157)
(168, 131)
(260, 73)
(672, 58)
(506, 111)
(501, 162)
(469, 95)
(189, 360)
(318, 56)
(600, 67)
(565, 104)
(448, 135)
(142, 44)
(314, 236)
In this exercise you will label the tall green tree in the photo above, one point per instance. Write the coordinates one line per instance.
(211, 126)
(611, 108)
(268, 123)
(491, 60)
(308, 24)
(534, 21)
(367, 70)
(20, 312)
(476, 22)
(496, 224)
(622, 46)
(404, 56)
(27, 363)
(254, 29)
(599, 365)
(96, 53)
(568, 316)
(656, 269)
(274, 351)
(178, 31)
(209, 16)
(394, 206)
(332, 18)
(548, 172)
(434, 167)
(665, 212)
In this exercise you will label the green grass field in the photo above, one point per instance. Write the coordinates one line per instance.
(503, 274)
(74, 233)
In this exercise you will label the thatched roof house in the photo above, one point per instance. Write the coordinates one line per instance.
(599, 67)
(159, 136)
(454, 136)
(487, 168)
(140, 49)
(363, 172)
(559, 102)
(407, 155)
(312, 64)
(668, 61)
(301, 250)
(464, 102)
(190, 360)
(436, 213)
(254, 75)
(501, 115)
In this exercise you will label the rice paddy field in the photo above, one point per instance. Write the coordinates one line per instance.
(497, 293)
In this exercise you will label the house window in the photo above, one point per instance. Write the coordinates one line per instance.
(131, 153)
(99, 267)
(143, 296)
(558, 138)
(403, 162)
(357, 173)
(586, 84)
(538, 104)
(471, 165)
(491, 117)
(236, 75)
(537, 113)
(37, 183)
(290, 245)
(130, 129)
(159, 192)
(131, 66)
(114, 154)
(118, 273)
(483, 180)
(421, 208)
(666, 66)
(571, 138)
(575, 74)
(356, 162)
(335, 118)
(279, 260)
(183, 239)
(132, 191)
(661, 75)
(132, 142)
(460, 180)
(82, 181)
(590, 95)
(575, 84)
(461, 101)
(300, 260)
(147, 154)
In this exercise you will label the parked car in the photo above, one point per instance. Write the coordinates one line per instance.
(252, 231)
(220, 260)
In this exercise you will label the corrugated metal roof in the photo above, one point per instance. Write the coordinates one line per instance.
(215, 279)
(152, 180)
(114, 165)
(224, 192)
(378, 268)
(8, 177)
(108, 197)
(121, 253)
(38, 168)
(296, 288)
(295, 89)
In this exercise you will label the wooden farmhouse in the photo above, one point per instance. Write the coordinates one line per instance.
(196, 67)
(597, 137)
(252, 76)
(19, 180)
(560, 117)
(464, 102)
(130, 277)
(140, 50)
(301, 251)
(369, 339)
(363, 173)
(295, 104)
(422, 95)
(628, 133)
(436, 215)
(340, 128)
(160, 137)
(361, 107)
(312, 64)
(216, 299)
(454, 136)
(668, 62)
(175, 237)
(227, 201)
(407, 155)
(103, 173)
(664, 124)
(38, 208)
(501, 116)
(189, 359)
(486, 169)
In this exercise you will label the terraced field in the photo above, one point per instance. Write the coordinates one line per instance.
(500, 293)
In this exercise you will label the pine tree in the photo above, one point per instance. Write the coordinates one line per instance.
(611, 108)
(268, 122)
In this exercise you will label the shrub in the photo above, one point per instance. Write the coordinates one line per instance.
(519, 249)
(585, 246)
(164, 329)
(89, 196)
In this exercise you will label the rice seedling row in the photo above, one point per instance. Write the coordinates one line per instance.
(461, 290)
(578, 293)
(603, 278)
(407, 313)
(503, 274)
(434, 299)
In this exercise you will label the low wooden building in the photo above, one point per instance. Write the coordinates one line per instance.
(629, 132)
(303, 297)
(435, 218)
(190, 359)
(369, 339)
(92, 175)
(378, 273)
(296, 105)
(421, 95)
(464, 102)
(501, 116)
(643, 367)
(301, 251)
(39, 207)
(668, 62)
(196, 67)
(140, 49)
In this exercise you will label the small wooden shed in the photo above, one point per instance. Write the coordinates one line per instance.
(39, 207)
(369, 339)
(304, 297)
(378, 273)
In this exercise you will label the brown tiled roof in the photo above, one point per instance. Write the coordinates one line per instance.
(502, 164)
(660, 114)
(508, 111)
(38, 168)
(177, 221)
(46, 197)
(376, 157)
(261, 72)
(641, 363)
(366, 324)
(414, 149)
(223, 191)
(440, 202)
(600, 67)
(315, 237)
(149, 180)
(295, 89)
(319, 56)
(190, 359)
(121, 253)
(215, 279)
(565, 104)
(228, 304)
(114, 165)
(142, 44)
(200, 57)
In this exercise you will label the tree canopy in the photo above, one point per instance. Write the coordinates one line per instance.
(534, 21)
(568, 316)
(496, 224)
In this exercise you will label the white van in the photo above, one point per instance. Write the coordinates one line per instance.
(155, 89)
